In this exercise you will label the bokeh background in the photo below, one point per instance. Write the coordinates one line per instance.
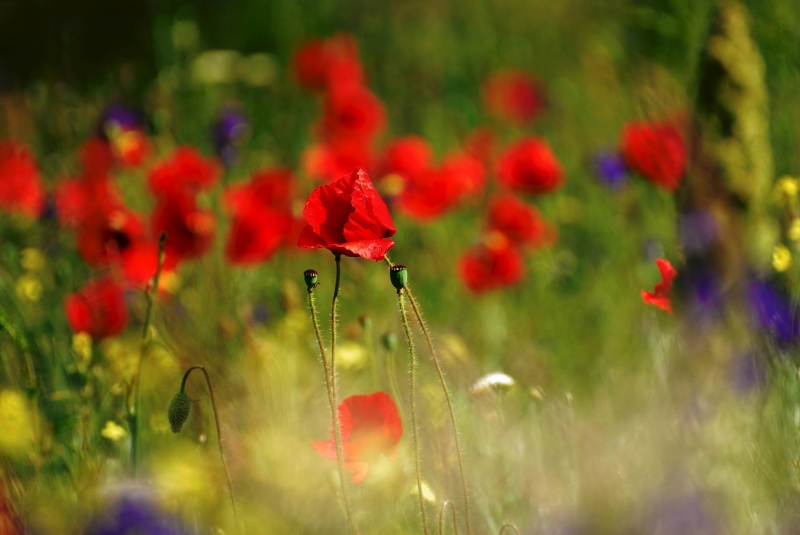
(612, 417)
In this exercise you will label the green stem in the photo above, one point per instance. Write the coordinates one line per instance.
(449, 400)
(508, 525)
(133, 412)
(441, 517)
(334, 414)
(412, 374)
(219, 436)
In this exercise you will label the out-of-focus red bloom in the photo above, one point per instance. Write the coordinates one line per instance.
(529, 166)
(190, 230)
(329, 161)
(130, 147)
(21, 189)
(429, 194)
(96, 158)
(370, 428)
(520, 222)
(656, 151)
(86, 198)
(348, 217)
(109, 234)
(467, 171)
(98, 309)
(186, 170)
(319, 63)
(480, 144)
(512, 96)
(407, 156)
(352, 112)
(491, 265)
(660, 296)
(262, 216)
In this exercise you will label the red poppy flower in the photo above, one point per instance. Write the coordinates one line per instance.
(407, 156)
(130, 147)
(186, 170)
(512, 96)
(319, 63)
(370, 427)
(331, 160)
(85, 198)
(656, 151)
(492, 265)
(190, 230)
(21, 190)
(429, 194)
(108, 234)
(96, 158)
(98, 309)
(262, 216)
(480, 144)
(660, 296)
(529, 166)
(520, 222)
(466, 170)
(352, 112)
(348, 217)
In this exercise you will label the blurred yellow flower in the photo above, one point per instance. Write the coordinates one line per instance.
(29, 287)
(18, 423)
(781, 258)
(82, 345)
(786, 188)
(794, 230)
(113, 432)
(32, 259)
(351, 355)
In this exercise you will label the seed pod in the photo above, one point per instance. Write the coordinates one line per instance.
(399, 276)
(178, 411)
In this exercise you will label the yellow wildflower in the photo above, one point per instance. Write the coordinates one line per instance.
(781, 258)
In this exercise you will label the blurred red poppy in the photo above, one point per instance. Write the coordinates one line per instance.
(348, 217)
(660, 296)
(656, 151)
(407, 156)
(185, 170)
(529, 166)
(491, 265)
(98, 309)
(96, 158)
(331, 160)
(520, 222)
(319, 63)
(428, 195)
(512, 96)
(130, 147)
(466, 170)
(352, 112)
(262, 216)
(370, 428)
(480, 143)
(21, 189)
(190, 230)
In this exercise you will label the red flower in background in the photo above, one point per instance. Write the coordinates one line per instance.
(480, 144)
(130, 147)
(529, 166)
(520, 222)
(407, 156)
(98, 309)
(656, 151)
(512, 96)
(351, 112)
(348, 217)
(96, 158)
(491, 265)
(185, 170)
(262, 216)
(329, 161)
(660, 295)
(109, 234)
(21, 190)
(370, 428)
(190, 230)
(466, 170)
(319, 63)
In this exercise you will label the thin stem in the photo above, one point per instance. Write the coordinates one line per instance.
(412, 374)
(371, 352)
(449, 400)
(334, 412)
(133, 412)
(441, 517)
(508, 525)
(219, 435)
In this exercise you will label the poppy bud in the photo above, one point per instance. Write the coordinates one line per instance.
(399, 276)
(389, 341)
(311, 278)
(365, 321)
(178, 411)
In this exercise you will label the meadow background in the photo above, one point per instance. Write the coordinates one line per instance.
(621, 418)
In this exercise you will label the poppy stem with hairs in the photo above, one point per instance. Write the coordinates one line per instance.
(441, 517)
(508, 525)
(311, 282)
(448, 398)
(219, 435)
(412, 375)
(133, 411)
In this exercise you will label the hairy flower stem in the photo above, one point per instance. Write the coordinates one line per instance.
(508, 525)
(219, 436)
(449, 398)
(412, 375)
(441, 517)
(351, 526)
(133, 411)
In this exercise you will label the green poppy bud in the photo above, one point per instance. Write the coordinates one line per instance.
(178, 411)
(389, 340)
(311, 278)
